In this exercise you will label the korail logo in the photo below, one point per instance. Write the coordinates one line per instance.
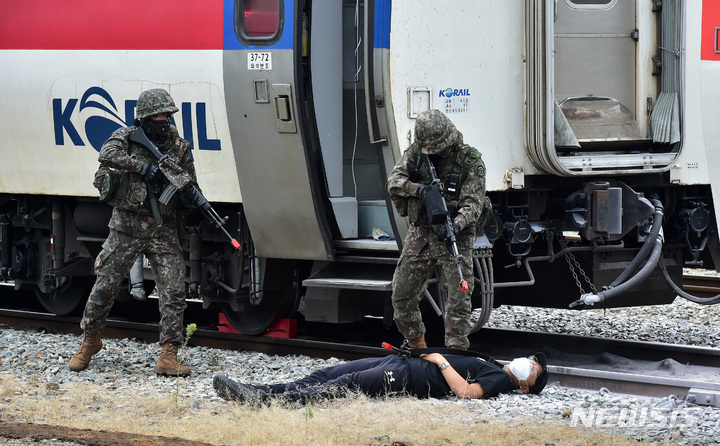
(450, 92)
(105, 119)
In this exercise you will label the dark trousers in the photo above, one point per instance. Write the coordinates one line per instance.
(372, 376)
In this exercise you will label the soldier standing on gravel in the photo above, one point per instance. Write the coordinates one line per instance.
(130, 178)
(462, 172)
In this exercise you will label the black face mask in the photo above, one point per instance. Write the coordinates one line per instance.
(157, 130)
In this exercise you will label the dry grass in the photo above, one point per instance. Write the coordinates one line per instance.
(352, 421)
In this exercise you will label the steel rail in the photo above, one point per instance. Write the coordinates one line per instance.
(500, 343)
(701, 285)
(628, 383)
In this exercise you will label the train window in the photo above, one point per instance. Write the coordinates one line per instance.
(258, 21)
(591, 4)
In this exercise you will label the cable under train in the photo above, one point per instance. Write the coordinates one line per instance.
(596, 119)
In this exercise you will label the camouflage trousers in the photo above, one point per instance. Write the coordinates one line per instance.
(421, 253)
(113, 265)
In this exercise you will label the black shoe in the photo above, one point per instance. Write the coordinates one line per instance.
(225, 388)
(232, 391)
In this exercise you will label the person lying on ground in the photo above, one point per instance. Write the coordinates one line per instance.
(432, 375)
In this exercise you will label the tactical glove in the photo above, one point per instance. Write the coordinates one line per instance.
(422, 190)
(150, 172)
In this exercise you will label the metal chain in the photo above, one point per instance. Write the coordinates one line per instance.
(573, 264)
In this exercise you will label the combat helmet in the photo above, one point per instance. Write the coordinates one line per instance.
(435, 133)
(154, 101)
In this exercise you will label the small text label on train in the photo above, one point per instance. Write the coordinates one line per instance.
(259, 61)
(455, 100)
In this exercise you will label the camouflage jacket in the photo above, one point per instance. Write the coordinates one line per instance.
(462, 173)
(132, 214)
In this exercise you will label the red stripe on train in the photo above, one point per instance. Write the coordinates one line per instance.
(710, 31)
(109, 25)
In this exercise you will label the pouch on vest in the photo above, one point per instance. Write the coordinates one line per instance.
(135, 197)
(401, 204)
(111, 184)
(435, 205)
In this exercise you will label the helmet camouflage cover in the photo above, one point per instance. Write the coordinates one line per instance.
(154, 101)
(434, 132)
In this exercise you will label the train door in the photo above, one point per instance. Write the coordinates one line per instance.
(312, 154)
(605, 90)
(595, 68)
(278, 171)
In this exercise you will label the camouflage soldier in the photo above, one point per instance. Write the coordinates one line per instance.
(131, 180)
(461, 169)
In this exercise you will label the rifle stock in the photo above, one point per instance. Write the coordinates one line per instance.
(141, 138)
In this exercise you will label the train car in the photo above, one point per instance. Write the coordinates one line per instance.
(595, 119)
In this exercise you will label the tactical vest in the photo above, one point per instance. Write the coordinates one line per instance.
(128, 190)
(453, 175)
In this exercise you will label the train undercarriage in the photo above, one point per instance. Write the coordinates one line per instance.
(552, 244)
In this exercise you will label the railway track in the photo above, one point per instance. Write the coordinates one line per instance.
(701, 285)
(625, 367)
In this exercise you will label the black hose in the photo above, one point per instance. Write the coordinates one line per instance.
(483, 266)
(698, 300)
(641, 275)
(589, 299)
(646, 247)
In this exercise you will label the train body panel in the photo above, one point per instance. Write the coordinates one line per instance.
(84, 98)
(69, 82)
(704, 93)
(479, 75)
(701, 101)
(595, 119)
(479, 82)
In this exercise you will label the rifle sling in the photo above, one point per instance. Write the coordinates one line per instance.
(154, 204)
(415, 353)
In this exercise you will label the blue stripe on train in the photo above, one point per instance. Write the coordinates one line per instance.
(382, 23)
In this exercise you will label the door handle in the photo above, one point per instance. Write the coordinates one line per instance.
(284, 108)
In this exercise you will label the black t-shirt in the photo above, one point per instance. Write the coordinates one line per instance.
(426, 380)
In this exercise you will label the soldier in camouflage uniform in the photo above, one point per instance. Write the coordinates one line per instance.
(140, 224)
(462, 171)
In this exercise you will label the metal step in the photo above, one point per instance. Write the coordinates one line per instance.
(353, 284)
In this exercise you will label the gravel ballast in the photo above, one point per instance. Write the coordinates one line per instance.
(31, 356)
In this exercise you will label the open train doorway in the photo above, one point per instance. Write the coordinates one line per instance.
(344, 37)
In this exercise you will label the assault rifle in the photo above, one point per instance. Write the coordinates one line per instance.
(178, 179)
(438, 215)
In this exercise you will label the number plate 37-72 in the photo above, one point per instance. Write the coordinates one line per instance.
(259, 60)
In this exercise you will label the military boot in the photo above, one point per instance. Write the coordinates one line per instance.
(418, 342)
(91, 344)
(168, 363)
